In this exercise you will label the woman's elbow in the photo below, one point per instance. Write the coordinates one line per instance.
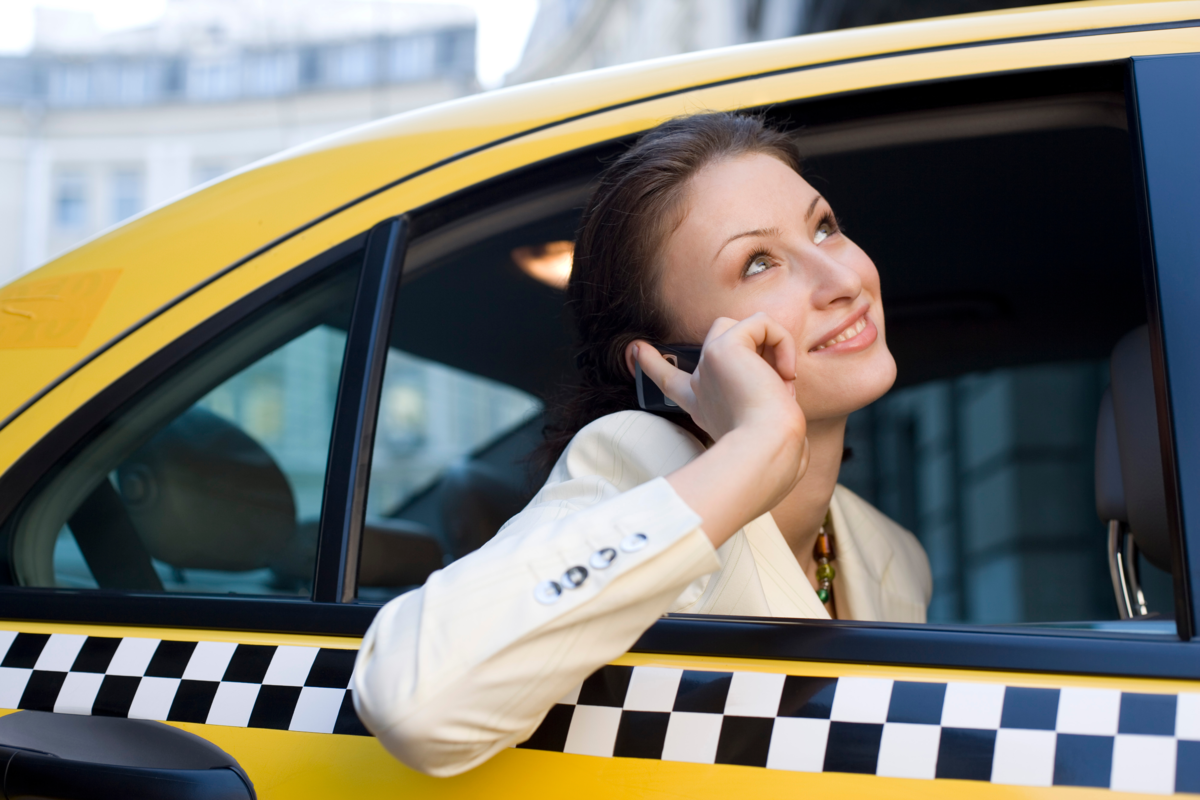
(431, 740)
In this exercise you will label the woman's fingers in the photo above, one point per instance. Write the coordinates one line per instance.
(771, 337)
(674, 382)
(762, 334)
(718, 328)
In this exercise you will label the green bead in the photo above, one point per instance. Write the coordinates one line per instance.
(826, 572)
(823, 595)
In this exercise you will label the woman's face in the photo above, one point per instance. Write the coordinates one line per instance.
(757, 237)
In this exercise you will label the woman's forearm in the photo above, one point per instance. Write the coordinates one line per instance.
(728, 485)
(449, 675)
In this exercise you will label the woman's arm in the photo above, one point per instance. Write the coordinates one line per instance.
(468, 665)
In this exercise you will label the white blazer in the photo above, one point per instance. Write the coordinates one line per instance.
(469, 664)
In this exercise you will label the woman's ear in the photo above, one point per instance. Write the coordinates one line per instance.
(631, 357)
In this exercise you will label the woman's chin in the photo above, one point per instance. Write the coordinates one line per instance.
(846, 390)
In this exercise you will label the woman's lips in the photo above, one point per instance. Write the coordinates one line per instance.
(860, 335)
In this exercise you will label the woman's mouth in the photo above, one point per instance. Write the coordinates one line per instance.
(859, 334)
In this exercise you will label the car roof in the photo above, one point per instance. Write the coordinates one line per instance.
(163, 253)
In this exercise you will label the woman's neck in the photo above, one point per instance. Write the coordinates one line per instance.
(800, 514)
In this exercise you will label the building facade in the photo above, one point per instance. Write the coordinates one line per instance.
(97, 127)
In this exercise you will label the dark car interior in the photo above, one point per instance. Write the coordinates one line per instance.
(1000, 213)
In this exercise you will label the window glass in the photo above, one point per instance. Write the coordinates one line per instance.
(994, 472)
(212, 481)
(431, 416)
(447, 470)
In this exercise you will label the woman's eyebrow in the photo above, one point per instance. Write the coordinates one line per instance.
(811, 208)
(765, 233)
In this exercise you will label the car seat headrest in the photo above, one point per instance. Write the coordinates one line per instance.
(204, 495)
(1129, 478)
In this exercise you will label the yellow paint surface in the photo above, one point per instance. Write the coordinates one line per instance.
(184, 633)
(323, 766)
(286, 765)
(53, 312)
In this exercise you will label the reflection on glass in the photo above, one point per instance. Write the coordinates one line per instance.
(212, 481)
(430, 416)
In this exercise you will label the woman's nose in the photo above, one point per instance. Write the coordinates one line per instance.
(834, 283)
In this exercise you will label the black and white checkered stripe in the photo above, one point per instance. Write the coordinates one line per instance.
(1070, 736)
(218, 683)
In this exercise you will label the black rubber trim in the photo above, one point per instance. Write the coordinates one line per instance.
(925, 645)
(1146, 27)
(904, 645)
(204, 612)
(344, 508)
(39, 460)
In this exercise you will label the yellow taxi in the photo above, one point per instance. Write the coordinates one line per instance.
(234, 426)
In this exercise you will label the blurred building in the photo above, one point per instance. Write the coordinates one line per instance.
(95, 127)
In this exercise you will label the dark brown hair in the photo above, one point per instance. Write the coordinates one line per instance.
(613, 294)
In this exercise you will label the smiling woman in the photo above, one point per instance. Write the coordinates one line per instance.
(703, 232)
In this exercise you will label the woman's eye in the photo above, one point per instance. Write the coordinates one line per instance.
(758, 264)
(824, 231)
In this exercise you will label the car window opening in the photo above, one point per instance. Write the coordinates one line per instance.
(211, 481)
(1003, 225)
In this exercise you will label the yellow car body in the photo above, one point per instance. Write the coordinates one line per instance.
(76, 325)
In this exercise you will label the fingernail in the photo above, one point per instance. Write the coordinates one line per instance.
(635, 349)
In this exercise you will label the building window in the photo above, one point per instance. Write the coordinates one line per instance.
(351, 65)
(411, 59)
(70, 200)
(126, 194)
(70, 84)
(133, 84)
(213, 80)
(268, 74)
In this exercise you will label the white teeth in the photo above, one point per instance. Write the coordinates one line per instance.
(849, 333)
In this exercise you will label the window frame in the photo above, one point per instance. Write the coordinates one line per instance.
(1166, 162)
(180, 610)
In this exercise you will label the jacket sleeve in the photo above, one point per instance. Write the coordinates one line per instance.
(469, 664)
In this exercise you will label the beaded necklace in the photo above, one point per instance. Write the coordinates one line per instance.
(823, 553)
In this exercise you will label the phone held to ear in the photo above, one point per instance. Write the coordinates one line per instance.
(650, 397)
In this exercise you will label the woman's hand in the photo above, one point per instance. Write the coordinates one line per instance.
(746, 377)
(743, 395)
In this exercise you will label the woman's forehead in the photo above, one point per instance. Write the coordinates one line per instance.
(747, 193)
(740, 190)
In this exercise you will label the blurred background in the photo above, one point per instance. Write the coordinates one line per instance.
(109, 107)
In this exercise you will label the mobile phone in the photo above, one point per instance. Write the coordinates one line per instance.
(650, 397)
